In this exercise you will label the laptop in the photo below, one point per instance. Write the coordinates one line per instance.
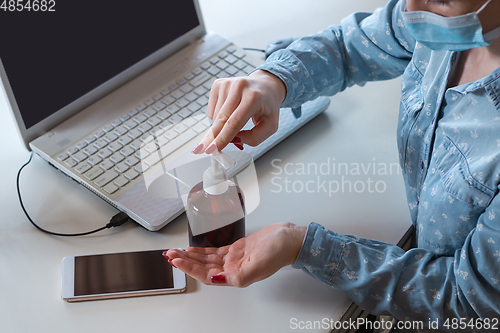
(97, 87)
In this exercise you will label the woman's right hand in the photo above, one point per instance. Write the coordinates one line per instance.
(233, 102)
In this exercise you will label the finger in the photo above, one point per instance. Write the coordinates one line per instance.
(226, 89)
(175, 253)
(265, 127)
(214, 259)
(202, 250)
(176, 261)
(196, 270)
(212, 99)
(226, 106)
(259, 133)
(222, 96)
(232, 277)
(228, 113)
(226, 131)
(209, 250)
(205, 250)
(202, 258)
(218, 96)
(202, 272)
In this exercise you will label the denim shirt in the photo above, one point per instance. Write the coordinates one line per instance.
(449, 150)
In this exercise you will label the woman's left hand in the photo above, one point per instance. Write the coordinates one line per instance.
(248, 260)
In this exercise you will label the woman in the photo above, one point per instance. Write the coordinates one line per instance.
(448, 138)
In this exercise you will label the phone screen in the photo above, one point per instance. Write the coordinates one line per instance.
(122, 272)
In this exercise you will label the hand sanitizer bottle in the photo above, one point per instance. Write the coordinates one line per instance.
(215, 209)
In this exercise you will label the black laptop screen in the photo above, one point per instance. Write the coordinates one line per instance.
(52, 58)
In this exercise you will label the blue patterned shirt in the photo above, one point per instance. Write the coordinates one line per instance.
(449, 150)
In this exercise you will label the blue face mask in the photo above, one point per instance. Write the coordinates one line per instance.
(455, 33)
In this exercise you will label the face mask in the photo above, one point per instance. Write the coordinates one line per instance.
(455, 33)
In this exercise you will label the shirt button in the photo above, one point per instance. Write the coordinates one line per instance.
(422, 165)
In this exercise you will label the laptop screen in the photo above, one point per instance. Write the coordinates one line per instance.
(52, 58)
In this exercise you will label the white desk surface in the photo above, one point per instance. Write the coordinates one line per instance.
(359, 127)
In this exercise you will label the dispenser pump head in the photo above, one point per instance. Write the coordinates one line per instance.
(215, 178)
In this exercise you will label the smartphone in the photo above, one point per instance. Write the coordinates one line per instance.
(117, 275)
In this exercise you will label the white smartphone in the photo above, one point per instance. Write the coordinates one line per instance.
(117, 275)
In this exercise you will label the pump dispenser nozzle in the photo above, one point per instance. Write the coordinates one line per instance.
(215, 178)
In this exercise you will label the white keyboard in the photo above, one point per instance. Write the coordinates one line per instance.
(118, 153)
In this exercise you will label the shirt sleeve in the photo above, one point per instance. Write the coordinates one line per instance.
(412, 285)
(364, 47)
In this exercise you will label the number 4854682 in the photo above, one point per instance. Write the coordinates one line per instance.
(28, 5)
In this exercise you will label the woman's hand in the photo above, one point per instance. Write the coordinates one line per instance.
(233, 102)
(248, 260)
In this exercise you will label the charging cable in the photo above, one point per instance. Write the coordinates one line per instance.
(116, 221)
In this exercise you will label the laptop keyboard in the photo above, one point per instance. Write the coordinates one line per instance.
(111, 157)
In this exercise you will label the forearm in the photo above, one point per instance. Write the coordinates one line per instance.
(412, 285)
(362, 48)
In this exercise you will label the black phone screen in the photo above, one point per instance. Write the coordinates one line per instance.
(122, 272)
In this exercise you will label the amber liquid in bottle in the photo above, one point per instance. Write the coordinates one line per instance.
(212, 210)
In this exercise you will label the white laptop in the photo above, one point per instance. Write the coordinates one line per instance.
(97, 87)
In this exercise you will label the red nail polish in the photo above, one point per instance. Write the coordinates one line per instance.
(238, 145)
(218, 279)
(236, 139)
(165, 255)
(170, 262)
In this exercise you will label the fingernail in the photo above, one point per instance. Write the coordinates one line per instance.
(236, 139)
(238, 145)
(211, 148)
(170, 262)
(218, 279)
(165, 255)
(198, 149)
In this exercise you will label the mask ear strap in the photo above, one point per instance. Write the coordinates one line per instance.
(483, 6)
(403, 5)
(492, 35)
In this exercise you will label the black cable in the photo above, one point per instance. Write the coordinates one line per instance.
(116, 221)
(252, 49)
